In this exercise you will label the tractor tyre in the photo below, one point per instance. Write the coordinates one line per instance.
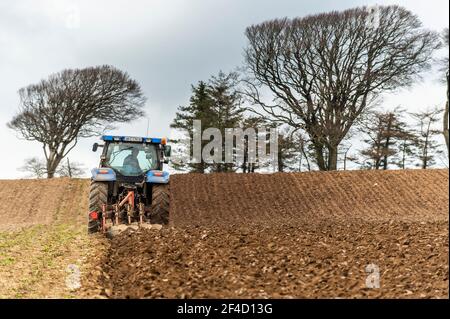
(160, 204)
(98, 196)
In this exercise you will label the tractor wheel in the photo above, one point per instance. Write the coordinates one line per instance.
(160, 204)
(97, 197)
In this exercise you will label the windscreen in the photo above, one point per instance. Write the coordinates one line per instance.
(132, 159)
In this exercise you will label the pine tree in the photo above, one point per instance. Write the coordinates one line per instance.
(227, 110)
(406, 151)
(217, 104)
(199, 108)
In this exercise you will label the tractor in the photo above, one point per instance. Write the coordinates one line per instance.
(130, 186)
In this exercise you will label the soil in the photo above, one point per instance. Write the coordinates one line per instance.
(310, 235)
(306, 235)
(43, 238)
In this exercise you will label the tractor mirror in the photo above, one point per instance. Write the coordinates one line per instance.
(95, 147)
(167, 150)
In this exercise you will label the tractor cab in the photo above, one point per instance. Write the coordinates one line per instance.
(132, 158)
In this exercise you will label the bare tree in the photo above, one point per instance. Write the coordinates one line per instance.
(73, 104)
(302, 145)
(325, 70)
(70, 170)
(446, 118)
(385, 131)
(428, 147)
(347, 156)
(445, 37)
(35, 166)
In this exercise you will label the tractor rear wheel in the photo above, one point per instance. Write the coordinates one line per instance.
(160, 204)
(98, 196)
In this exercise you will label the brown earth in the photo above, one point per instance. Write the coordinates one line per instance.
(415, 195)
(42, 235)
(284, 235)
(303, 235)
(31, 202)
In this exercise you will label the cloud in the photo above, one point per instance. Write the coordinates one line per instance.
(165, 45)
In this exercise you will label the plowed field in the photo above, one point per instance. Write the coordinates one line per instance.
(306, 197)
(310, 235)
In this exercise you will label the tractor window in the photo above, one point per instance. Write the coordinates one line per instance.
(132, 159)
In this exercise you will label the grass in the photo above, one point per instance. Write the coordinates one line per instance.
(7, 261)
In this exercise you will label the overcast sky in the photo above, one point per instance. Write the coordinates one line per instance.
(165, 45)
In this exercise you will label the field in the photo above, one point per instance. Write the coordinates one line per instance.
(42, 232)
(303, 235)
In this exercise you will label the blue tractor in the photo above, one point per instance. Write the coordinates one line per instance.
(130, 186)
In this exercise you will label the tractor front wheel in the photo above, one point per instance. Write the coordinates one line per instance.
(98, 196)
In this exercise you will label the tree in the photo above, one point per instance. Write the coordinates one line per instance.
(428, 147)
(228, 110)
(251, 122)
(406, 150)
(199, 108)
(73, 104)
(217, 104)
(302, 143)
(347, 156)
(385, 131)
(446, 118)
(287, 151)
(35, 166)
(292, 150)
(325, 70)
(445, 64)
(70, 170)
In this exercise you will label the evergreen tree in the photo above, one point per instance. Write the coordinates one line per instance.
(227, 111)
(199, 108)
(217, 104)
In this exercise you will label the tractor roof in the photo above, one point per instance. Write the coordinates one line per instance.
(134, 139)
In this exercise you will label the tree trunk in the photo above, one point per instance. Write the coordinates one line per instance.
(280, 162)
(388, 140)
(345, 158)
(446, 111)
(332, 158)
(308, 165)
(52, 165)
(425, 154)
(318, 152)
(446, 136)
(300, 162)
(425, 147)
(404, 154)
(69, 169)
